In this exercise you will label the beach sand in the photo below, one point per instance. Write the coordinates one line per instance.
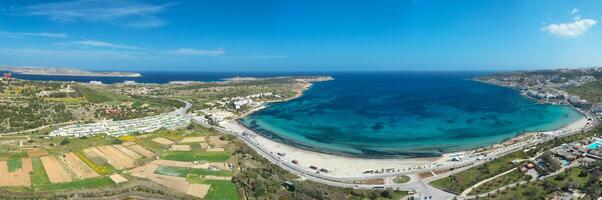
(342, 166)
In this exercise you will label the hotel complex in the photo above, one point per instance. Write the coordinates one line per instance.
(172, 120)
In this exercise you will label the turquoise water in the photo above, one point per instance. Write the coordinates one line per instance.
(404, 114)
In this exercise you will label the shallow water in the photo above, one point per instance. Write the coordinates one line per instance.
(404, 114)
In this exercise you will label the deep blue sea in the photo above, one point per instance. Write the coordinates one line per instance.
(404, 114)
(385, 114)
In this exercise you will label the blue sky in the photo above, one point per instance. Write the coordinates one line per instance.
(293, 35)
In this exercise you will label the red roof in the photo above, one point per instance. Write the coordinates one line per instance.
(7, 75)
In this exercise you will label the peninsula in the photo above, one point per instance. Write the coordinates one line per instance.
(52, 71)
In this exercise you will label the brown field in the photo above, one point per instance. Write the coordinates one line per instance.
(216, 142)
(94, 154)
(180, 147)
(37, 152)
(174, 163)
(128, 152)
(148, 171)
(218, 149)
(81, 169)
(128, 144)
(56, 172)
(117, 179)
(20, 177)
(116, 158)
(163, 141)
(198, 190)
(204, 145)
(192, 139)
(141, 150)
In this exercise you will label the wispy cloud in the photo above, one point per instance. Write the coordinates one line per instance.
(95, 43)
(69, 53)
(197, 52)
(125, 12)
(571, 29)
(265, 56)
(34, 34)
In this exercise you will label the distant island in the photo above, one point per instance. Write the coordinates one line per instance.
(52, 71)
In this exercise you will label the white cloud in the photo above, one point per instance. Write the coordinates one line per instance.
(34, 34)
(95, 43)
(265, 56)
(67, 53)
(129, 13)
(196, 52)
(573, 29)
(574, 11)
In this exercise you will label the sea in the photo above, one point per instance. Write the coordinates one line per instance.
(384, 114)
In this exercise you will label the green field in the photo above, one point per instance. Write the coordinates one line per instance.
(220, 189)
(14, 164)
(38, 176)
(507, 179)
(14, 161)
(189, 156)
(591, 91)
(79, 184)
(183, 172)
(571, 176)
(460, 181)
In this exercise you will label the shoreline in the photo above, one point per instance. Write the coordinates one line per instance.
(349, 166)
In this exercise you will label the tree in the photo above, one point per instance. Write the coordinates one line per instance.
(64, 141)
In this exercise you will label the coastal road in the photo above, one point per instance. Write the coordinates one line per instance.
(420, 186)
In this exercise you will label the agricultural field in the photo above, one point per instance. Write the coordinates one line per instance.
(195, 156)
(183, 171)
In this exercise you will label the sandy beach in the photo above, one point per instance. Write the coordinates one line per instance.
(342, 166)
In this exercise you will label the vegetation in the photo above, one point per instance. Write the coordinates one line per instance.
(401, 179)
(507, 179)
(460, 181)
(100, 169)
(588, 182)
(190, 156)
(221, 189)
(184, 172)
(38, 176)
(591, 91)
(78, 184)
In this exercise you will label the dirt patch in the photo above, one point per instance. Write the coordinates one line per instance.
(148, 171)
(81, 169)
(204, 145)
(174, 163)
(141, 150)
(37, 152)
(95, 155)
(116, 158)
(127, 144)
(198, 190)
(370, 182)
(180, 147)
(217, 149)
(117, 179)
(127, 152)
(192, 139)
(19, 177)
(162, 141)
(54, 169)
(216, 142)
